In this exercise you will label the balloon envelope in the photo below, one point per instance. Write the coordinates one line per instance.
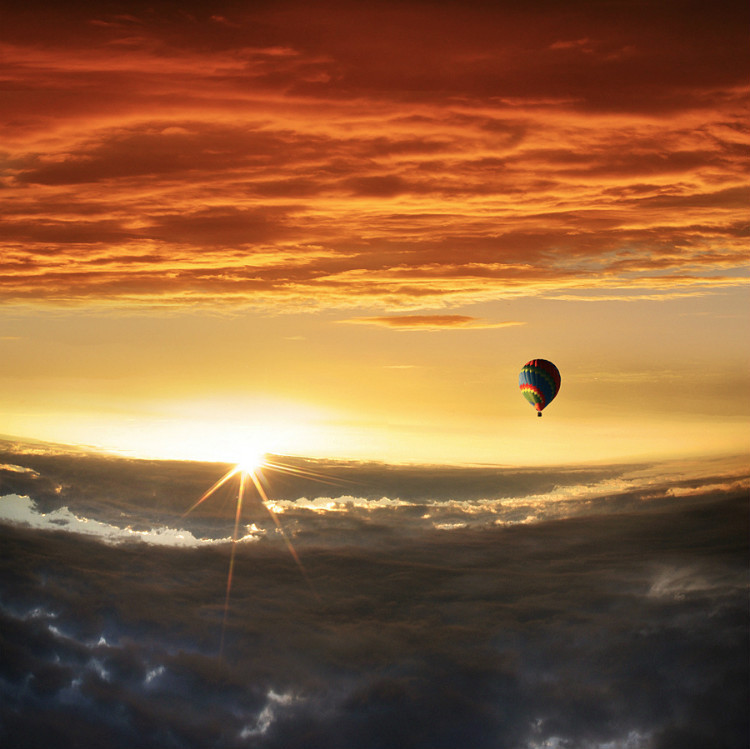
(539, 381)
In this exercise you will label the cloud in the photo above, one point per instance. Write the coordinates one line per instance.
(159, 158)
(429, 631)
(21, 510)
(327, 500)
(431, 322)
(19, 469)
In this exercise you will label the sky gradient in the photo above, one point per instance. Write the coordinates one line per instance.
(341, 229)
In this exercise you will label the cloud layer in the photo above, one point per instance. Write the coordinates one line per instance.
(616, 617)
(403, 155)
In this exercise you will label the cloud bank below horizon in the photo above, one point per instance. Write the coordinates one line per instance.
(616, 618)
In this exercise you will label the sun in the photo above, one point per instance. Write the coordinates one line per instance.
(251, 461)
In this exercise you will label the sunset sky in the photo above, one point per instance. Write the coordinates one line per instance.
(340, 229)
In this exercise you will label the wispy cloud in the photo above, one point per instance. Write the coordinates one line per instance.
(432, 322)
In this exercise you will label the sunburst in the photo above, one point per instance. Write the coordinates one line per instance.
(251, 462)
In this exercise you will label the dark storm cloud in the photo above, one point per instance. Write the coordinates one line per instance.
(621, 621)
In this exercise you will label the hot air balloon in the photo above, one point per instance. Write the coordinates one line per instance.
(539, 381)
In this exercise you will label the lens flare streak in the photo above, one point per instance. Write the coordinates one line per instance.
(230, 574)
(223, 480)
(306, 473)
(288, 542)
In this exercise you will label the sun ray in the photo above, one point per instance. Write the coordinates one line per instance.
(292, 550)
(230, 574)
(223, 480)
(306, 473)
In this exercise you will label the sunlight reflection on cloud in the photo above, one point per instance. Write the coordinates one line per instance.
(680, 582)
(268, 714)
(22, 510)
(153, 674)
(447, 513)
(633, 740)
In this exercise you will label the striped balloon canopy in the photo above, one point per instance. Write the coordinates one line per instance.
(539, 381)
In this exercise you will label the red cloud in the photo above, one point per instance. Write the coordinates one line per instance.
(276, 154)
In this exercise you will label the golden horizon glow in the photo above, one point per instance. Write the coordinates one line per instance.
(284, 228)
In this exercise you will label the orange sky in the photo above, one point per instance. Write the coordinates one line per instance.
(340, 228)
